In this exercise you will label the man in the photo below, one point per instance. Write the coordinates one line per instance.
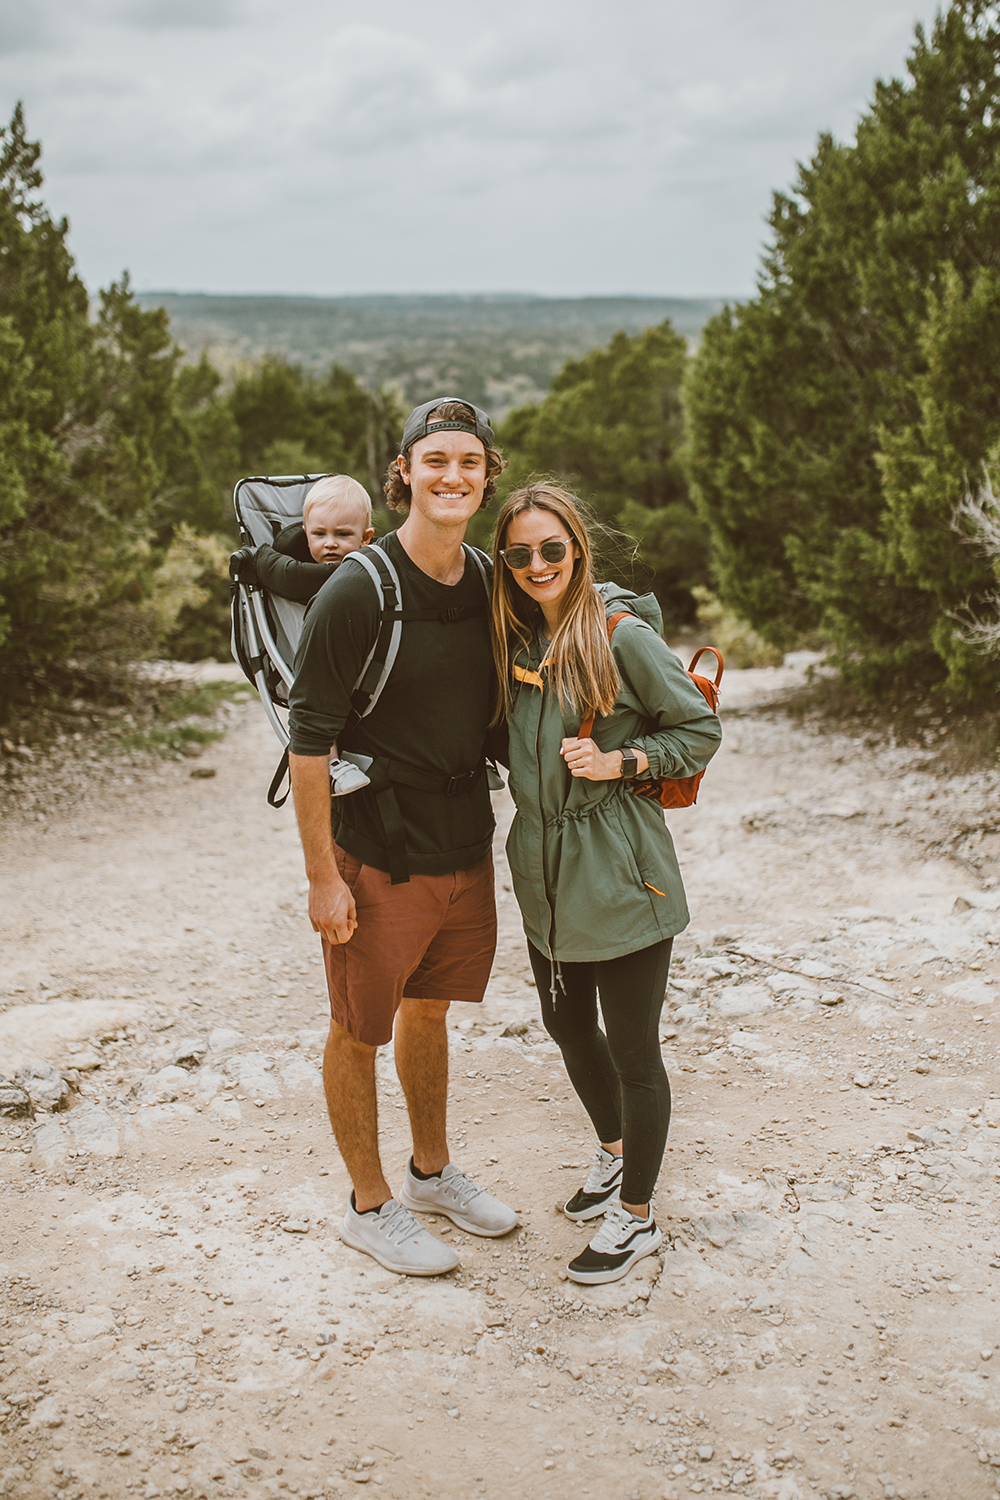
(402, 895)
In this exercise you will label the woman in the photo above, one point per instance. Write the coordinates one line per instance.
(594, 868)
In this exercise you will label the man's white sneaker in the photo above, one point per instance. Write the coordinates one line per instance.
(395, 1239)
(621, 1240)
(458, 1197)
(599, 1191)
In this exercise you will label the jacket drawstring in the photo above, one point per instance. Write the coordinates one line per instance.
(557, 980)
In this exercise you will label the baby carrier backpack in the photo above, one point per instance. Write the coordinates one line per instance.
(668, 791)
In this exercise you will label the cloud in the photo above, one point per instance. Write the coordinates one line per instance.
(22, 28)
(304, 145)
(170, 15)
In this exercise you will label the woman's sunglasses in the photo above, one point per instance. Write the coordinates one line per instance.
(520, 557)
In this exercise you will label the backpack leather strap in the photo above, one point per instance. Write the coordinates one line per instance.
(587, 727)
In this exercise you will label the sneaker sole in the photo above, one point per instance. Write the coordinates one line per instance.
(401, 1269)
(595, 1210)
(600, 1278)
(416, 1207)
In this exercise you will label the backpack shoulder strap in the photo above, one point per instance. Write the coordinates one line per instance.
(587, 727)
(482, 562)
(380, 660)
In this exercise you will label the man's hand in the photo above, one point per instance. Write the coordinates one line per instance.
(332, 911)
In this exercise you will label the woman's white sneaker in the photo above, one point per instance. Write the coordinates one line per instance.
(621, 1240)
(459, 1199)
(395, 1239)
(599, 1191)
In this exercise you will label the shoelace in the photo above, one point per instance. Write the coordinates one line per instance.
(602, 1171)
(616, 1221)
(398, 1225)
(464, 1189)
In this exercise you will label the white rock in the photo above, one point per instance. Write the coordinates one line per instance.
(15, 1103)
(189, 1053)
(47, 1413)
(84, 1062)
(50, 1142)
(90, 1325)
(223, 1039)
(164, 1086)
(31, 1031)
(689, 1013)
(837, 809)
(95, 1128)
(972, 991)
(749, 1041)
(743, 1000)
(311, 1039)
(227, 1109)
(254, 1072)
(44, 1085)
(296, 1073)
(208, 1083)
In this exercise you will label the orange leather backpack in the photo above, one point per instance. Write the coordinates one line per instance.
(671, 791)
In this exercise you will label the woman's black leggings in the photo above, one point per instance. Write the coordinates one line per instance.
(619, 1076)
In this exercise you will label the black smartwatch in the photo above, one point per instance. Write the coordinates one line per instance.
(630, 766)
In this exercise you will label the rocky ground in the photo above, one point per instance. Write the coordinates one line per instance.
(180, 1318)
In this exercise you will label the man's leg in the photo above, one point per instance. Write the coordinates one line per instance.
(351, 1101)
(421, 1046)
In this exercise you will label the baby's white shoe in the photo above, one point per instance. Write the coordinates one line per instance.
(346, 777)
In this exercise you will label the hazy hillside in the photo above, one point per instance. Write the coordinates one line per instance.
(499, 350)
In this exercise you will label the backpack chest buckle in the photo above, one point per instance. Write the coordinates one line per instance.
(462, 783)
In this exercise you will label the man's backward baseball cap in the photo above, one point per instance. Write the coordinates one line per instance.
(417, 425)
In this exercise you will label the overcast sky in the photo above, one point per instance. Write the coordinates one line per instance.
(565, 147)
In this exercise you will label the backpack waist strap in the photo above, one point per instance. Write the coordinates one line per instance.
(385, 775)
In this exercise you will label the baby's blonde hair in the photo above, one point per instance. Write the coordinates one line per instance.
(340, 488)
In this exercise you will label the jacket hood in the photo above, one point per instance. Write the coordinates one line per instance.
(619, 600)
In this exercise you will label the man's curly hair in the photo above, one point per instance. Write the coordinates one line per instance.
(397, 491)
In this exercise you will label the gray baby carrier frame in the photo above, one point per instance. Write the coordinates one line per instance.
(266, 629)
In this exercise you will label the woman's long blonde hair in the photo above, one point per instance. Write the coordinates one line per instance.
(579, 658)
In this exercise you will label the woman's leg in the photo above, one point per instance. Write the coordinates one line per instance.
(570, 1018)
(632, 991)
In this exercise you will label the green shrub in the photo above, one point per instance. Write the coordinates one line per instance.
(739, 643)
(836, 419)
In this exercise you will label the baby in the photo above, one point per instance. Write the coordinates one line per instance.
(336, 520)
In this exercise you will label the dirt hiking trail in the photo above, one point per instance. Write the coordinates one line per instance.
(179, 1317)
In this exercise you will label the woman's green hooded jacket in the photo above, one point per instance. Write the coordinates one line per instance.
(594, 868)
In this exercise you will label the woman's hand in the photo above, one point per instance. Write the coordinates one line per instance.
(584, 759)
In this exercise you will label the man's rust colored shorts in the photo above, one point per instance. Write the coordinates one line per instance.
(432, 938)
